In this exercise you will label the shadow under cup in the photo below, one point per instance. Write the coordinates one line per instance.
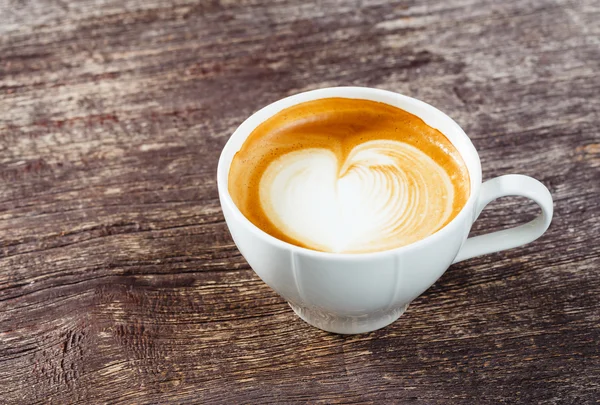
(351, 293)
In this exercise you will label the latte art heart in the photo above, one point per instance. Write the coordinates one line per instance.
(385, 194)
(348, 175)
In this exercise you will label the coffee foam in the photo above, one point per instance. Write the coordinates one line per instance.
(345, 175)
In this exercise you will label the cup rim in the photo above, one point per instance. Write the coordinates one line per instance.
(247, 126)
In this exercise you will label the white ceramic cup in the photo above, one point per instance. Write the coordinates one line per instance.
(355, 293)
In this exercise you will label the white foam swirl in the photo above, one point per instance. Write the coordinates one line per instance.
(386, 194)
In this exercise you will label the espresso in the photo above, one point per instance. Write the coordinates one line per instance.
(348, 176)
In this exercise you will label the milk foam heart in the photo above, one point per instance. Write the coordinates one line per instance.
(348, 175)
(386, 193)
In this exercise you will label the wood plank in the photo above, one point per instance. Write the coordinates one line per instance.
(119, 282)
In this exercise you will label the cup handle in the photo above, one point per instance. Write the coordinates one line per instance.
(509, 185)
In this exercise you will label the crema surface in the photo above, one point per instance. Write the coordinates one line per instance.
(348, 176)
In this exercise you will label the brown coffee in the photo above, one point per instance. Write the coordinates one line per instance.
(349, 176)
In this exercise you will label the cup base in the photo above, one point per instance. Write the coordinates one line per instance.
(347, 325)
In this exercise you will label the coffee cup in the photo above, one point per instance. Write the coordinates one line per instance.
(350, 293)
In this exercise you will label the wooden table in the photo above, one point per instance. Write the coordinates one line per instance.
(119, 282)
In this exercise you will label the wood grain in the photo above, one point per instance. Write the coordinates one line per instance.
(119, 282)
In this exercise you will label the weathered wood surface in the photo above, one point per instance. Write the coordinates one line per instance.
(119, 282)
